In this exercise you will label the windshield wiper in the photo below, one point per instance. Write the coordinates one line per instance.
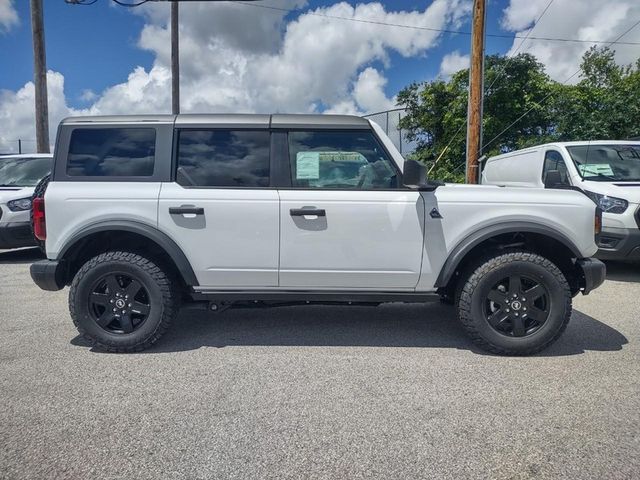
(8, 185)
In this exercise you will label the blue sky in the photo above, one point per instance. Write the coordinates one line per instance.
(106, 59)
(96, 46)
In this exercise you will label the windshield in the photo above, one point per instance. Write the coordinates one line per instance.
(605, 163)
(23, 172)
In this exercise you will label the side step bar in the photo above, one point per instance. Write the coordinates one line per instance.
(315, 296)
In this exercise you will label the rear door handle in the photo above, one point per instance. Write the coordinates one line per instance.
(301, 212)
(186, 210)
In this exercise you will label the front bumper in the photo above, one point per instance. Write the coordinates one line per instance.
(592, 273)
(49, 274)
(619, 244)
(16, 235)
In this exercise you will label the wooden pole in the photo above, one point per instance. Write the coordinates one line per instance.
(175, 59)
(40, 77)
(476, 93)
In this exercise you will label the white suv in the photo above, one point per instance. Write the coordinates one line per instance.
(19, 174)
(146, 212)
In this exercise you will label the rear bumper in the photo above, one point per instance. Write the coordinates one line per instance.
(16, 235)
(48, 274)
(592, 274)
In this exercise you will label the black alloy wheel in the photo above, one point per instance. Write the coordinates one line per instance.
(517, 306)
(119, 303)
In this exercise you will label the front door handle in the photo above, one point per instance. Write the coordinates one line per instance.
(186, 210)
(301, 212)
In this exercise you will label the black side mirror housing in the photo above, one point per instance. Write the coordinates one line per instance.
(553, 179)
(414, 175)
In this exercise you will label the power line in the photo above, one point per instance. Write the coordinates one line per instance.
(430, 29)
(510, 57)
(125, 4)
(537, 104)
(371, 22)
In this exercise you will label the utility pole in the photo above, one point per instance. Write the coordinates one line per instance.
(476, 92)
(175, 38)
(40, 77)
(175, 59)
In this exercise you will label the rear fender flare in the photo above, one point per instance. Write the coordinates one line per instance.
(161, 239)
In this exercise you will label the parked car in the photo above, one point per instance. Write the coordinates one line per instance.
(19, 174)
(143, 213)
(606, 171)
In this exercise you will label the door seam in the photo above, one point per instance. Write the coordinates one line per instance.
(279, 234)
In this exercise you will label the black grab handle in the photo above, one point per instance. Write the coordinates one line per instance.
(187, 210)
(301, 212)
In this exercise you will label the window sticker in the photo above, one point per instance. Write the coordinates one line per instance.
(595, 169)
(308, 165)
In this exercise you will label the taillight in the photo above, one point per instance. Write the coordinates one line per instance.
(39, 221)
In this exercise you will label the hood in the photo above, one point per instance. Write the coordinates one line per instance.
(13, 193)
(629, 191)
(496, 195)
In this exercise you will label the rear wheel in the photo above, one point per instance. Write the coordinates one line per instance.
(122, 302)
(515, 304)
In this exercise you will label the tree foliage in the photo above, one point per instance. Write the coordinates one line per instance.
(604, 104)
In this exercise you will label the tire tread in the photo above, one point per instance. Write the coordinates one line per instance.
(170, 298)
(465, 313)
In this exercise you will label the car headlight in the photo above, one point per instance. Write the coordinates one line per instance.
(19, 205)
(609, 204)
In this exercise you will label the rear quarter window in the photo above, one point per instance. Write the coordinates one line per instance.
(111, 152)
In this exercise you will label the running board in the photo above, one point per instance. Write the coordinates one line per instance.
(314, 296)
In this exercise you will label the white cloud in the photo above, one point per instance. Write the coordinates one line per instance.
(17, 115)
(367, 95)
(368, 91)
(453, 62)
(88, 95)
(584, 20)
(8, 16)
(248, 59)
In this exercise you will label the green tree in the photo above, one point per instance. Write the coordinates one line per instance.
(437, 110)
(604, 104)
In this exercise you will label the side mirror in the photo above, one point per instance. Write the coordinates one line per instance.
(414, 175)
(553, 179)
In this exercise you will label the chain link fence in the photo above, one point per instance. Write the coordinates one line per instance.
(390, 123)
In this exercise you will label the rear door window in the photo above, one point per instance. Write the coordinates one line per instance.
(223, 158)
(111, 152)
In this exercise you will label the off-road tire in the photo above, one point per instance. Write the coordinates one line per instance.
(479, 279)
(38, 192)
(164, 301)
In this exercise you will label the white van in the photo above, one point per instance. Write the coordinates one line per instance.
(608, 171)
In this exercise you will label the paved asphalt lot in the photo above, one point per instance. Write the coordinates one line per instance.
(317, 392)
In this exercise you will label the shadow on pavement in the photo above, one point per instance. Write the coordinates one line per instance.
(421, 326)
(623, 272)
(22, 255)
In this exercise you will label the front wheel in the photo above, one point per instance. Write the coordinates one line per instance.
(515, 304)
(122, 302)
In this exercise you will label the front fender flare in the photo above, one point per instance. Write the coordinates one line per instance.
(468, 243)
